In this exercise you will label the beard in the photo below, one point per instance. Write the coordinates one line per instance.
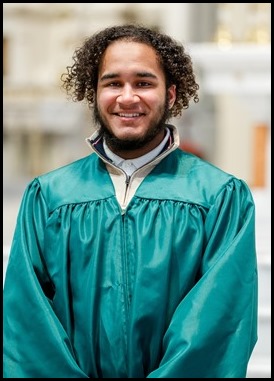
(130, 144)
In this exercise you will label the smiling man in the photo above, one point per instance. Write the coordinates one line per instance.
(132, 105)
(137, 261)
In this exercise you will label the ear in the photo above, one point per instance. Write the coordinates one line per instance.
(171, 96)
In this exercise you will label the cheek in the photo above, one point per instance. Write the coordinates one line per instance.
(158, 101)
(152, 98)
(105, 98)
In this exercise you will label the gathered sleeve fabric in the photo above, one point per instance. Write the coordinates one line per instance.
(35, 342)
(214, 328)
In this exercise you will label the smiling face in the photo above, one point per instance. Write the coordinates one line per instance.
(132, 100)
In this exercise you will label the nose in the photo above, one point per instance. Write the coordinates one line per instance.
(127, 95)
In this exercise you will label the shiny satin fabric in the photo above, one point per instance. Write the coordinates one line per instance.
(167, 289)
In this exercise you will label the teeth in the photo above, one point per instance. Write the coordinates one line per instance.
(129, 115)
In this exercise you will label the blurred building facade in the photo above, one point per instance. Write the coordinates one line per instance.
(230, 48)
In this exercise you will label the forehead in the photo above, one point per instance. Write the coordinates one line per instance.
(127, 55)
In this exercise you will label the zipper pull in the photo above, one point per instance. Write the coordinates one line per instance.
(127, 179)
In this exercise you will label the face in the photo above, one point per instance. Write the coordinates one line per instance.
(132, 100)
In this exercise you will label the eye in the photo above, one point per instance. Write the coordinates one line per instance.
(143, 84)
(113, 84)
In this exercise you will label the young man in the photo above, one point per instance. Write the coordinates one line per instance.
(139, 259)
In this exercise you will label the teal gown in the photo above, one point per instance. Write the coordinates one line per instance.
(166, 289)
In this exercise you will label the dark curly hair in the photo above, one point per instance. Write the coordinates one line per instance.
(81, 78)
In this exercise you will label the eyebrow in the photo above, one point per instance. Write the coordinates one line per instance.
(142, 74)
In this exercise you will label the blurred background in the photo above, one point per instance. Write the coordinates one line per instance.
(230, 47)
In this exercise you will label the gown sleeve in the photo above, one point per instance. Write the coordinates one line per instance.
(35, 343)
(214, 328)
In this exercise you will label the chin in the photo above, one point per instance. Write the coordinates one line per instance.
(129, 134)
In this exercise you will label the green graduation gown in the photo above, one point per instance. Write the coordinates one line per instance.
(167, 288)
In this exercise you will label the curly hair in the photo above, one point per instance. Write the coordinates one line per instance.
(80, 80)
